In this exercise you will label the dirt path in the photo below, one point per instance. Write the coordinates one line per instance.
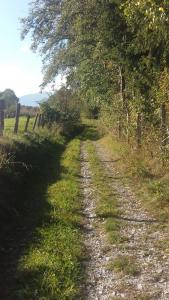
(99, 282)
(144, 242)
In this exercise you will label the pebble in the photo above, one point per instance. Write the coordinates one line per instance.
(141, 244)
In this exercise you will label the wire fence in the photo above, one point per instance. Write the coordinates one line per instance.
(18, 124)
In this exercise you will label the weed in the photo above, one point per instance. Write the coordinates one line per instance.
(112, 227)
(124, 264)
(145, 296)
(160, 190)
(117, 298)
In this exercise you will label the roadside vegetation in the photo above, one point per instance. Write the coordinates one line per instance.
(50, 268)
(145, 173)
(41, 244)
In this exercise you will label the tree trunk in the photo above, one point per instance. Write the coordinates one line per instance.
(128, 127)
(122, 88)
(124, 100)
(42, 121)
(120, 128)
(163, 124)
(139, 130)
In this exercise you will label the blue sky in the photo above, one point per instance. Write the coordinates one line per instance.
(20, 69)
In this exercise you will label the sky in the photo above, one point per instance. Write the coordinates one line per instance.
(20, 69)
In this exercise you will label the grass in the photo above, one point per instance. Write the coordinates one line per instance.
(51, 268)
(24, 177)
(144, 296)
(10, 122)
(160, 191)
(116, 298)
(107, 202)
(41, 245)
(145, 175)
(124, 264)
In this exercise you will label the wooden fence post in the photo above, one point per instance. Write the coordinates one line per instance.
(27, 123)
(18, 107)
(2, 106)
(139, 130)
(39, 120)
(42, 121)
(128, 127)
(35, 122)
(120, 128)
(163, 124)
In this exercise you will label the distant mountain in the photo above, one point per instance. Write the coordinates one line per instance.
(33, 99)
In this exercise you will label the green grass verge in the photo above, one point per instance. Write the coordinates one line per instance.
(51, 268)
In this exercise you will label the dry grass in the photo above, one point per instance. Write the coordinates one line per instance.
(124, 264)
(144, 173)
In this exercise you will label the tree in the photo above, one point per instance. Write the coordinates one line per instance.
(62, 106)
(112, 52)
(10, 100)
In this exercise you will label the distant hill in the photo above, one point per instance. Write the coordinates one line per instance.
(33, 99)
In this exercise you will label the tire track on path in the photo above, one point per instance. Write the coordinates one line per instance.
(99, 280)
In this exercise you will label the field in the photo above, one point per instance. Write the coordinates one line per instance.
(10, 122)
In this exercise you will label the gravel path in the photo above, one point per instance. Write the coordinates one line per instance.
(99, 281)
(144, 241)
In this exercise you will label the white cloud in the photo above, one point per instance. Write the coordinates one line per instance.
(21, 81)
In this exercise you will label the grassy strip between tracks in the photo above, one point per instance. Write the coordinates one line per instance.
(107, 200)
(51, 269)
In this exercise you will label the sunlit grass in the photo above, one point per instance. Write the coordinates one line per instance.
(10, 123)
(51, 268)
